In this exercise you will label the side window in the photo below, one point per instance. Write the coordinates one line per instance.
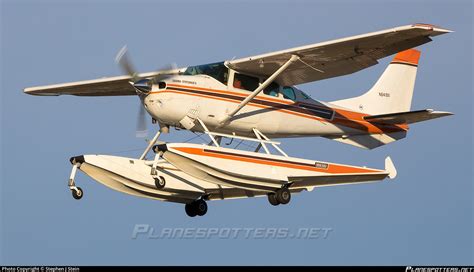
(245, 82)
(272, 89)
(288, 93)
(217, 71)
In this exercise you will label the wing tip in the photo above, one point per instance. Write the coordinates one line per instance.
(437, 30)
(442, 113)
(33, 91)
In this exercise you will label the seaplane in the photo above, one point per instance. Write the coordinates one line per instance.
(192, 174)
(256, 99)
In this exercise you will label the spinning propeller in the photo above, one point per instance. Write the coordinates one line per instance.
(141, 85)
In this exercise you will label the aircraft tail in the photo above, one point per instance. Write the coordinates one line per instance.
(388, 102)
(393, 91)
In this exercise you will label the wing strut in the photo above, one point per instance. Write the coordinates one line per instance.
(262, 86)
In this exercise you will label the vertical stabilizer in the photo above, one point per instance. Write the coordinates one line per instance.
(393, 91)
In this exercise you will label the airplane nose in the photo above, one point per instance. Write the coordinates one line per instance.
(143, 85)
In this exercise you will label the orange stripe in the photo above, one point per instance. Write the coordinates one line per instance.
(332, 168)
(232, 93)
(343, 117)
(199, 95)
(250, 103)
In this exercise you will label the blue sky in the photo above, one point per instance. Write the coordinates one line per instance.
(425, 216)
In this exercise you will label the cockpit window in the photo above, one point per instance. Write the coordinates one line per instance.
(216, 70)
(245, 82)
(272, 89)
(288, 93)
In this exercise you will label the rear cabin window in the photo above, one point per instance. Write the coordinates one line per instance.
(289, 93)
(272, 89)
(245, 82)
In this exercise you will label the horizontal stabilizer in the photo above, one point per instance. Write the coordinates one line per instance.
(408, 117)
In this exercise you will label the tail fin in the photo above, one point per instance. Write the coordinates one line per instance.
(393, 91)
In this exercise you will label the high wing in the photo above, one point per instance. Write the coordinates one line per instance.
(108, 86)
(337, 57)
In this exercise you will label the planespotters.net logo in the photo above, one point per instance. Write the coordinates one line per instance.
(438, 269)
(147, 231)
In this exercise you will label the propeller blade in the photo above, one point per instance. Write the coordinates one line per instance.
(165, 72)
(169, 67)
(123, 60)
(142, 130)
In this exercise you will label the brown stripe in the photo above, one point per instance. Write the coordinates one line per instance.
(405, 63)
(332, 168)
(260, 158)
(340, 117)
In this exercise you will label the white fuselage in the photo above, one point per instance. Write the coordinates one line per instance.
(203, 97)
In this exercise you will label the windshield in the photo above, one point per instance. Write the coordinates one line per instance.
(216, 70)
